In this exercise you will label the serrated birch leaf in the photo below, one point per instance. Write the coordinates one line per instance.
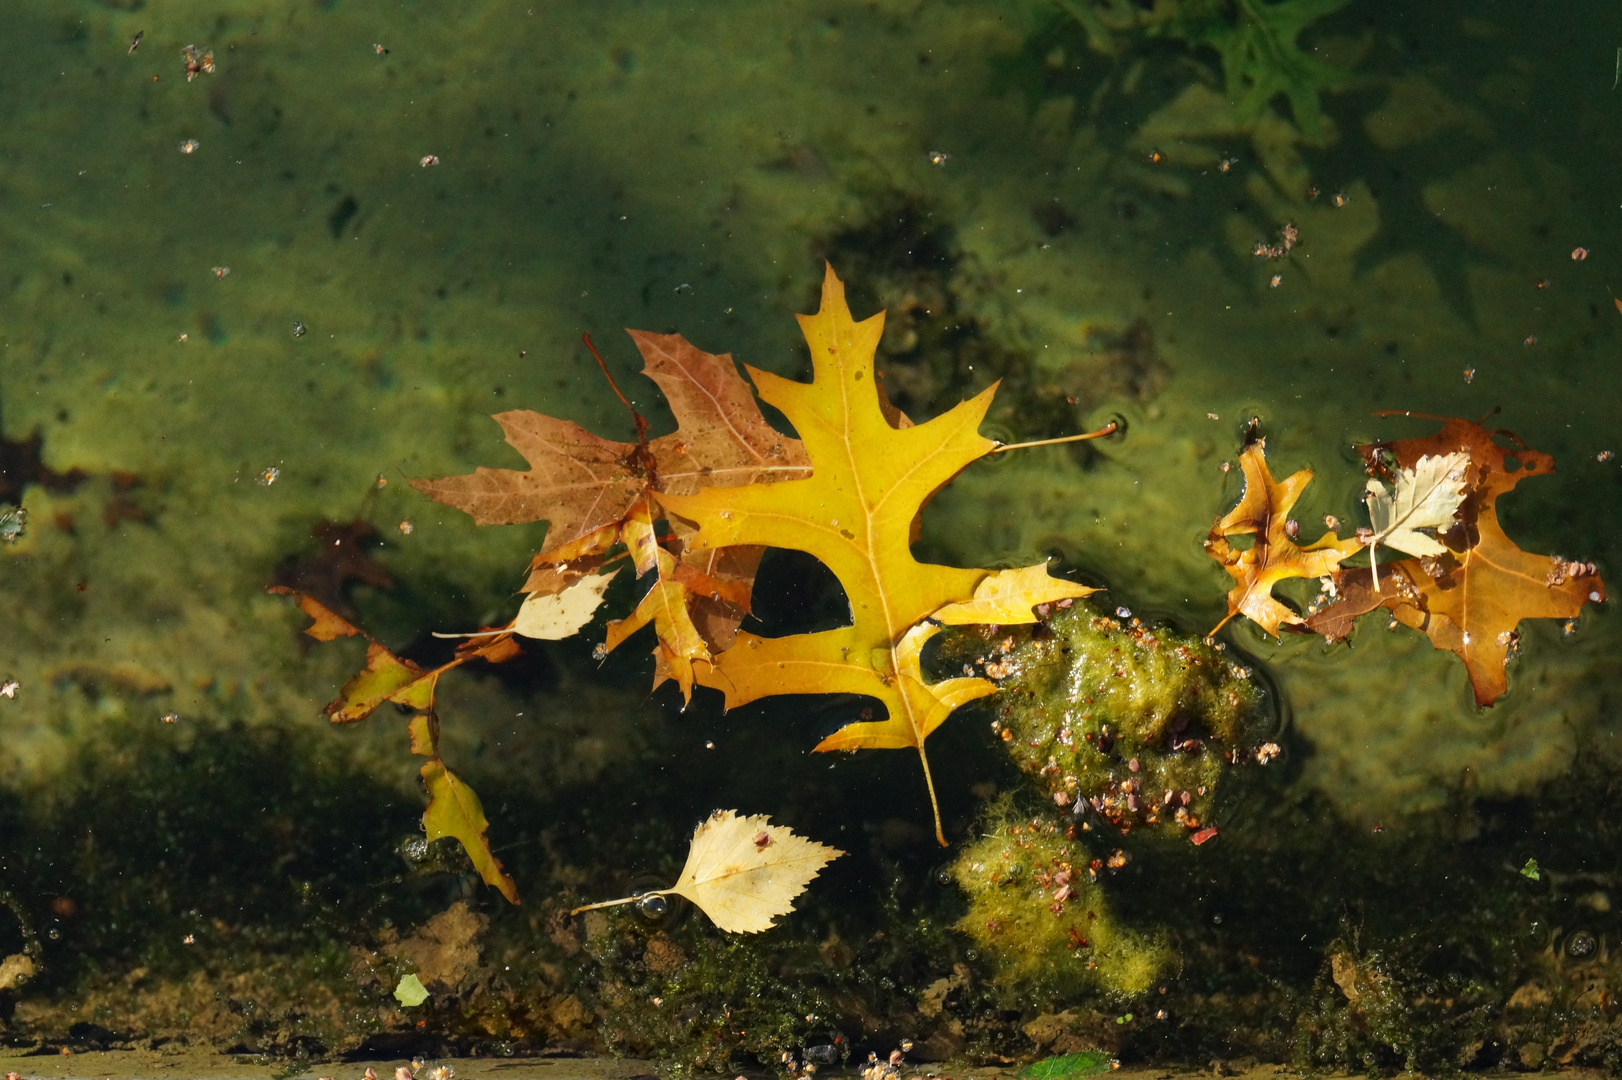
(555, 616)
(743, 872)
(1007, 597)
(1426, 496)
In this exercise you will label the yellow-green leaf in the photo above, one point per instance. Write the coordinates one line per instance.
(454, 810)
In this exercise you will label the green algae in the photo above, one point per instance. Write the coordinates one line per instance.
(1124, 730)
(1033, 904)
(1134, 726)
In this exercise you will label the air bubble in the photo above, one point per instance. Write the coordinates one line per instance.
(1581, 945)
(653, 906)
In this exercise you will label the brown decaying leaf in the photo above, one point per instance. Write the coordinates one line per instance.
(855, 513)
(453, 807)
(595, 494)
(1263, 513)
(1471, 599)
(743, 872)
(578, 482)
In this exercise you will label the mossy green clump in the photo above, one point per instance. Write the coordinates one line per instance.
(1132, 727)
(1035, 905)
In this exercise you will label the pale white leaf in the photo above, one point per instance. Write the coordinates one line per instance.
(1426, 496)
(743, 872)
(555, 616)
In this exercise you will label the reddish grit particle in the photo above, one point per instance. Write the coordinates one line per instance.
(1578, 254)
(1203, 835)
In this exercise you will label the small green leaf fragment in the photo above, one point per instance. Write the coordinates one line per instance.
(1068, 1066)
(1530, 870)
(410, 992)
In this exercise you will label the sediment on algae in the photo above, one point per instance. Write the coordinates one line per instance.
(1123, 729)
(1035, 905)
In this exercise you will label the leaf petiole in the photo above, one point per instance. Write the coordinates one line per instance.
(1108, 429)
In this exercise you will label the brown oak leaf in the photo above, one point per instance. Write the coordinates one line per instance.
(1471, 599)
(578, 482)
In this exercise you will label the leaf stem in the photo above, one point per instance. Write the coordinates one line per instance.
(641, 423)
(621, 900)
(934, 806)
(1108, 429)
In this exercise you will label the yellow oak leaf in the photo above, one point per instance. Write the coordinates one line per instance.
(743, 872)
(1263, 513)
(870, 476)
(1005, 598)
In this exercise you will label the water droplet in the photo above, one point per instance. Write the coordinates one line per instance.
(1581, 945)
(653, 907)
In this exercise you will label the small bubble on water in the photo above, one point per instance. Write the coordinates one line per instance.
(1581, 945)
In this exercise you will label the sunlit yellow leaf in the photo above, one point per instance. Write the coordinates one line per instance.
(743, 872)
(1008, 597)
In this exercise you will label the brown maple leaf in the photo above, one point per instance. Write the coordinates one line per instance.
(1471, 600)
(594, 493)
(1263, 513)
(871, 474)
(578, 482)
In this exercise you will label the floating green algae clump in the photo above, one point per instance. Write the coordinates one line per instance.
(1123, 729)
(1034, 904)
(1127, 726)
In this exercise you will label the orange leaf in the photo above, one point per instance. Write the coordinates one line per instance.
(855, 514)
(665, 605)
(328, 624)
(1471, 600)
(1263, 513)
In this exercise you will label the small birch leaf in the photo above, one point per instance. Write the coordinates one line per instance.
(410, 992)
(555, 616)
(1426, 496)
(743, 872)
